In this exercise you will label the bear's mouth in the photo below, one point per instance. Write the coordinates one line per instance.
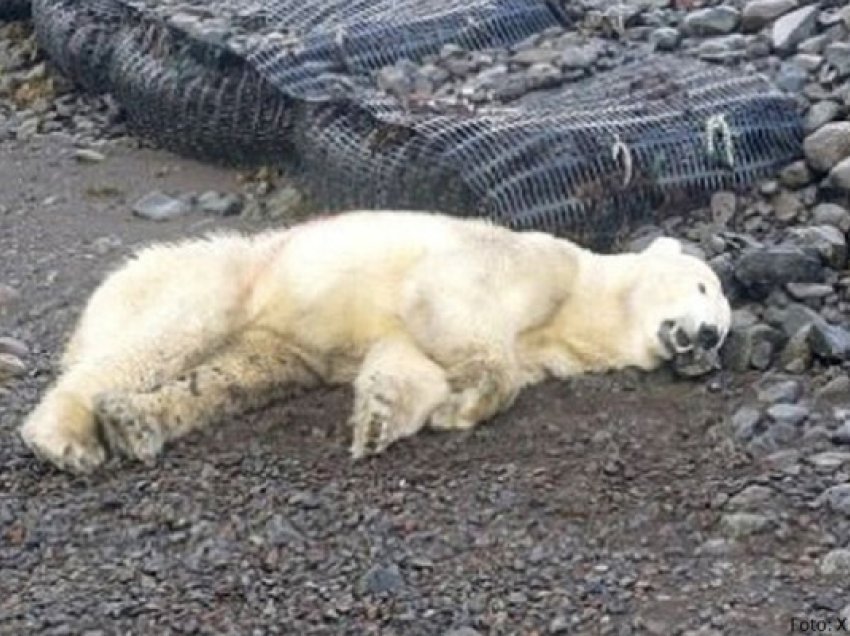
(690, 355)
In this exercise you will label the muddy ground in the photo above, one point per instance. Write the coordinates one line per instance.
(592, 507)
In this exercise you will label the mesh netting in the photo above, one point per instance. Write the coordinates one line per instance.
(294, 83)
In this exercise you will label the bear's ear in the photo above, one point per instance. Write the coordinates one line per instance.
(664, 246)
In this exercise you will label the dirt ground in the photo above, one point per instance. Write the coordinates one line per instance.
(592, 507)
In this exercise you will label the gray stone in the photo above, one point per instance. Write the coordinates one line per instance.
(759, 13)
(782, 392)
(712, 21)
(87, 155)
(796, 356)
(738, 525)
(820, 114)
(838, 498)
(221, 204)
(726, 48)
(837, 388)
(11, 366)
(839, 176)
(827, 240)
(841, 435)
(579, 57)
(808, 61)
(8, 296)
(793, 318)
(796, 175)
(13, 347)
(792, 28)
(530, 57)
(836, 563)
(828, 145)
(791, 78)
(793, 414)
(665, 38)
(381, 580)
(809, 291)
(745, 423)
(761, 270)
(462, 631)
(787, 207)
(157, 206)
(829, 460)
(752, 497)
(832, 214)
(830, 342)
(837, 55)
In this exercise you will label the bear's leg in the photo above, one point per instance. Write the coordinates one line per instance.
(250, 371)
(481, 386)
(395, 392)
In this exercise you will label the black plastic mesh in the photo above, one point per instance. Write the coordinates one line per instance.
(14, 9)
(293, 82)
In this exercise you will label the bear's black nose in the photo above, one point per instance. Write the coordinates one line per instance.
(708, 336)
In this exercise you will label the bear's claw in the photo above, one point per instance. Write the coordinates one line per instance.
(127, 429)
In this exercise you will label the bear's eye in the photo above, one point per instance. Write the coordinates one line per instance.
(701, 288)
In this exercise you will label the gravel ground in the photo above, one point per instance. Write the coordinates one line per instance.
(623, 504)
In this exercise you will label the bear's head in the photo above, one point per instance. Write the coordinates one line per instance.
(679, 302)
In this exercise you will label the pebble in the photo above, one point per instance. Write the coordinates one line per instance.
(381, 580)
(838, 498)
(832, 214)
(759, 13)
(792, 414)
(86, 155)
(13, 347)
(786, 391)
(836, 562)
(665, 39)
(8, 296)
(792, 28)
(841, 435)
(218, 203)
(738, 525)
(828, 145)
(820, 114)
(839, 176)
(761, 270)
(11, 366)
(827, 240)
(752, 497)
(157, 206)
(830, 342)
(712, 21)
(745, 423)
(829, 460)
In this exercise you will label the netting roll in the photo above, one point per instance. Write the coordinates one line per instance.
(294, 84)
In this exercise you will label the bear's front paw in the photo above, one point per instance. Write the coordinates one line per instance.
(60, 441)
(127, 428)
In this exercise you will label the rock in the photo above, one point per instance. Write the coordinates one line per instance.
(793, 318)
(832, 214)
(836, 563)
(796, 175)
(829, 460)
(750, 347)
(809, 291)
(759, 13)
(533, 56)
(578, 57)
(157, 206)
(11, 366)
(828, 145)
(784, 392)
(727, 48)
(462, 631)
(8, 296)
(723, 206)
(751, 498)
(841, 435)
(792, 414)
(838, 498)
(381, 580)
(796, 356)
(220, 204)
(738, 525)
(787, 207)
(837, 55)
(760, 270)
(745, 423)
(13, 347)
(665, 39)
(285, 204)
(838, 387)
(792, 28)
(820, 114)
(830, 342)
(86, 155)
(791, 77)
(839, 176)
(827, 240)
(712, 21)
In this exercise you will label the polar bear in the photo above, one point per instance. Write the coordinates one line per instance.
(436, 320)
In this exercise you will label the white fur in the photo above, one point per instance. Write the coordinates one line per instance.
(432, 318)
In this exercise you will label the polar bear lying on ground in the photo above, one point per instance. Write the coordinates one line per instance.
(436, 320)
